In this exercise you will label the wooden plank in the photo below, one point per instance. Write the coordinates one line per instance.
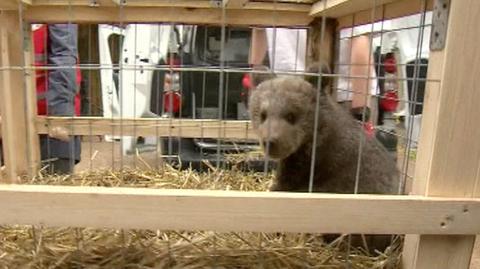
(148, 127)
(278, 6)
(235, 3)
(339, 8)
(30, 95)
(449, 149)
(8, 5)
(81, 14)
(179, 3)
(8, 135)
(322, 49)
(387, 11)
(286, 1)
(71, 3)
(454, 245)
(20, 144)
(223, 211)
(13, 4)
(167, 3)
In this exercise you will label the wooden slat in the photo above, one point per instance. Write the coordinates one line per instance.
(224, 211)
(149, 127)
(278, 6)
(8, 5)
(137, 3)
(8, 132)
(81, 14)
(235, 3)
(339, 8)
(71, 3)
(20, 144)
(30, 96)
(286, 1)
(322, 48)
(13, 4)
(179, 3)
(449, 148)
(399, 8)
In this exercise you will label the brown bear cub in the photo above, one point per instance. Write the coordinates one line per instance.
(282, 111)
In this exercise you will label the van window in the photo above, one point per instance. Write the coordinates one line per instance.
(236, 48)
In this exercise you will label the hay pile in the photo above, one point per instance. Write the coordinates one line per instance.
(36, 247)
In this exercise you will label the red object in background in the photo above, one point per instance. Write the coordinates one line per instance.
(389, 101)
(174, 61)
(390, 65)
(40, 43)
(369, 129)
(246, 81)
(172, 98)
(172, 101)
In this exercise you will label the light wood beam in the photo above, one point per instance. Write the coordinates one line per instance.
(224, 211)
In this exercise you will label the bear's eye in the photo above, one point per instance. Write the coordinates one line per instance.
(263, 116)
(291, 118)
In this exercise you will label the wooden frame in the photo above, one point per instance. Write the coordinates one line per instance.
(234, 129)
(102, 207)
(443, 228)
(449, 155)
(17, 106)
(186, 15)
(288, 13)
(393, 9)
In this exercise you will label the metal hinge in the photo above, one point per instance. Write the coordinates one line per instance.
(216, 3)
(438, 34)
(93, 3)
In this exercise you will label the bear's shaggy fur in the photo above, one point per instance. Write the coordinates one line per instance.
(282, 112)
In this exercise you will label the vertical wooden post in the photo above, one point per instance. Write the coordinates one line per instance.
(322, 50)
(448, 159)
(17, 98)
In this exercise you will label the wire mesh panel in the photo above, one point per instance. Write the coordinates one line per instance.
(250, 96)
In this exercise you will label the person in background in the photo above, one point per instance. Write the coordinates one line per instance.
(288, 53)
(286, 48)
(55, 45)
(357, 84)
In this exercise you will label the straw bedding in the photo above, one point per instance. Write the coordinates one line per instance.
(37, 247)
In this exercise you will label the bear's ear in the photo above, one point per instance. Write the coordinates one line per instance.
(259, 77)
(315, 69)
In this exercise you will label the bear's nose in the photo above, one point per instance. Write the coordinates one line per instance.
(270, 143)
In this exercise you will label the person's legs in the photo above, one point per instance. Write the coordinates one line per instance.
(360, 70)
(258, 47)
(62, 166)
(60, 156)
(62, 88)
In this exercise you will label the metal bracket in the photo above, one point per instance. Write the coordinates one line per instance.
(438, 34)
(93, 3)
(118, 2)
(216, 3)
